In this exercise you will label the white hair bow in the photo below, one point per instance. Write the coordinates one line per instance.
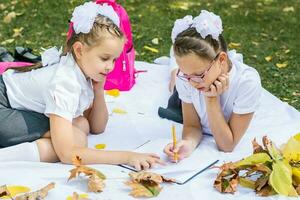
(84, 16)
(207, 23)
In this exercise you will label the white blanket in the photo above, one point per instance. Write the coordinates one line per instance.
(275, 118)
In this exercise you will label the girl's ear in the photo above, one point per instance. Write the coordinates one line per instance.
(78, 49)
(223, 57)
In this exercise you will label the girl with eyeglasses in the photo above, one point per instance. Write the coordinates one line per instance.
(219, 93)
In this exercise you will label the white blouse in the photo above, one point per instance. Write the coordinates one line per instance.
(242, 96)
(60, 89)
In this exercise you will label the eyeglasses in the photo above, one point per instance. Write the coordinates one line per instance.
(196, 78)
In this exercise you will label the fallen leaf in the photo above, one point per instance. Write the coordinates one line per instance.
(255, 43)
(155, 41)
(9, 17)
(268, 58)
(234, 6)
(95, 184)
(287, 51)
(234, 45)
(154, 50)
(17, 189)
(282, 65)
(18, 32)
(139, 190)
(39, 194)
(96, 178)
(88, 171)
(113, 92)
(119, 111)
(146, 184)
(100, 146)
(76, 196)
(8, 41)
(288, 9)
(4, 192)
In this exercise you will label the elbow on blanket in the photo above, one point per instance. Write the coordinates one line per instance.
(227, 149)
(98, 131)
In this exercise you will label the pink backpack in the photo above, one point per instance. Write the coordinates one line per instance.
(123, 75)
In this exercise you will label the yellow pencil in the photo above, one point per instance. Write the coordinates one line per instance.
(174, 143)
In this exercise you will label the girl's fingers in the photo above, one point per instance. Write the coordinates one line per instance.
(223, 80)
(137, 166)
(219, 87)
(145, 165)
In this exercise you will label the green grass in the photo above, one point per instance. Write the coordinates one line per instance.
(261, 27)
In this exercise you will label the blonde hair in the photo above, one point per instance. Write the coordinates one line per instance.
(102, 26)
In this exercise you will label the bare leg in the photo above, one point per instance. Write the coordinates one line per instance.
(46, 150)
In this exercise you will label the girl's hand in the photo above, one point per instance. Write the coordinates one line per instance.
(184, 149)
(98, 85)
(219, 86)
(143, 161)
(172, 80)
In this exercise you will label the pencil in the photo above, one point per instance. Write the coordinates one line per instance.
(174, 143)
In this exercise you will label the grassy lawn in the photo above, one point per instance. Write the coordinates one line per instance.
(261, 28)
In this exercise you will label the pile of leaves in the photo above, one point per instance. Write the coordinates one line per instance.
(146, 184)
(268, 170)
(37, 195)
(96, 178)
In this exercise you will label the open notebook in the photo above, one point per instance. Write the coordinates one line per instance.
(183, 171)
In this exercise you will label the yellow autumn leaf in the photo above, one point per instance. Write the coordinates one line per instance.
(8, 41)
(113, 92)
(100, 146)
(17, 189)
(287, 51)
(18, 32)
(233, 45)
(281, 178)
(291, 150)
(282, 65)
(296, 174)
(254, 159)
(77, 196)
(154, 50)
(9, 17)
(119, 111)
(268, 58)
(234, 6)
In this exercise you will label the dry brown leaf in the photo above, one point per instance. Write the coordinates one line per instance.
(37, 195)
(150, 177)
(266, 191)
(95, 184)
(257, 148)
(142, 190)
(4, 191)
(88, 171)
(96, 178)
(146, 184)
(9, 17)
